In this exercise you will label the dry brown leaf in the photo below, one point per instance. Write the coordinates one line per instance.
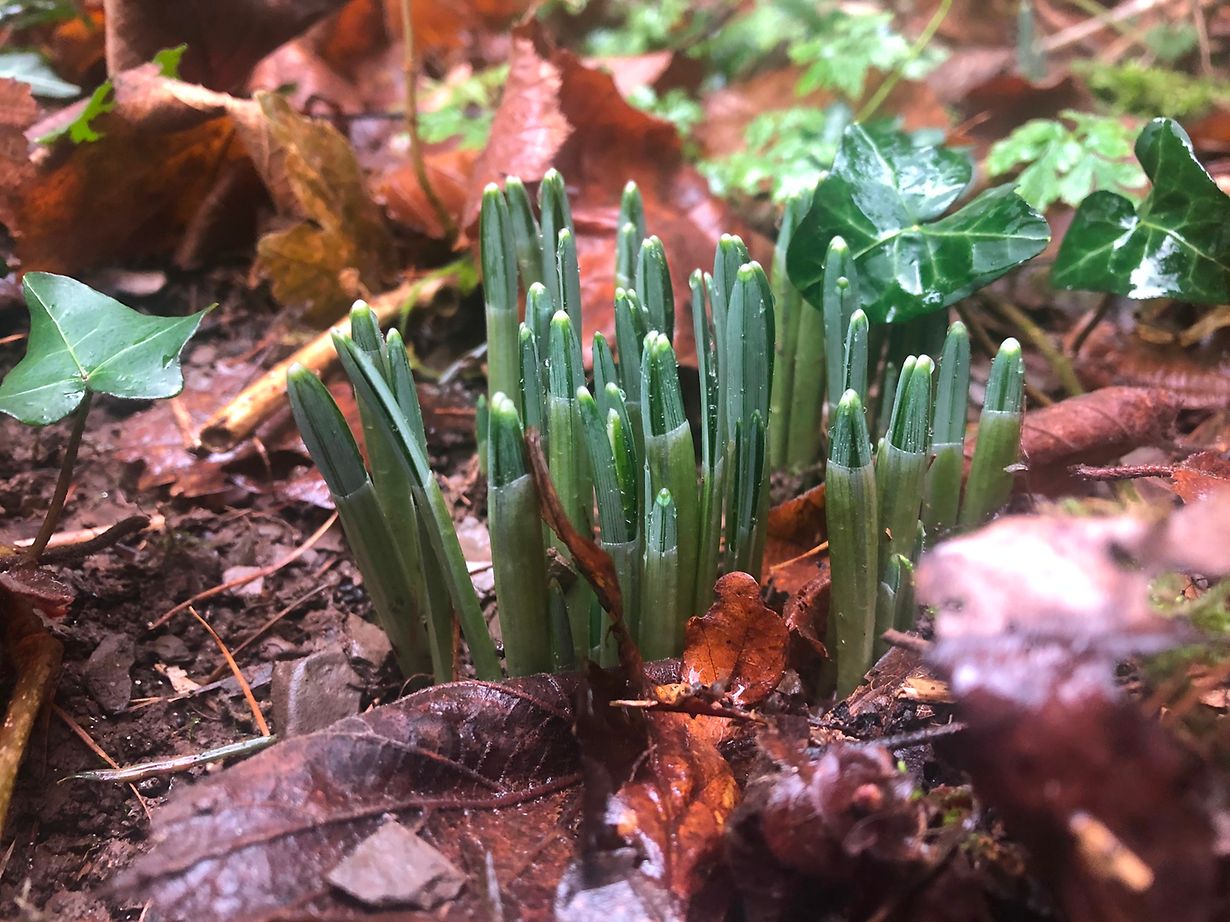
(343, 230)
(225, 38)
(738, 644)
(1201, 474)
(1198, 377)
(405, 202)
(18, 110)
(1092, 429)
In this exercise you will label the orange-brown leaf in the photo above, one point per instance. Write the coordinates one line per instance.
(739, 643)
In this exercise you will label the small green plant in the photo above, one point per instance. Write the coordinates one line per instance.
(464, 109)
(1068, 158)
(84, 343)
(1131, 88)
(1174, 244)
(623, 447)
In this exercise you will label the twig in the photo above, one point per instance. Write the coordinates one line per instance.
(260, 631)
(1121, 471)
(819, 548)
(410, 72)
(63, 547)
(85, 737)
(916, 738)
(52, 518)
(240, 417)
(916, 49)
(257, 716)
(1040, 340)
(1090, 27)
(1202, 38)
(144, 770)
(12, 338)
(243, 580)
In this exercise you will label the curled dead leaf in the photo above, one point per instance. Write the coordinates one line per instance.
(738, 644)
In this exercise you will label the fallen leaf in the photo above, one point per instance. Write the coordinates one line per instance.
(260, 840)
(18, 111)
(675, 810)
(599, 142)
(1092, 429)
(343, 228)
(1201, 474)
(220, 55)
(405, 202)
(1033, 615)
(38, 587)
(394, 867)
(1198, 378)
(738, 644)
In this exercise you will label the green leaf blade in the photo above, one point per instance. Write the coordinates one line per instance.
(81, 340)
(1176, 245)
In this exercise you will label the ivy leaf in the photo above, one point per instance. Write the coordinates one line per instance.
(1176, 246)
(885, 196)
(81, 340)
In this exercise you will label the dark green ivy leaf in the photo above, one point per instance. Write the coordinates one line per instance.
(1176, 246)
(885, 196)
(82, 340)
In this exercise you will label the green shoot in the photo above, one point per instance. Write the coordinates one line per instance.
(999, 437)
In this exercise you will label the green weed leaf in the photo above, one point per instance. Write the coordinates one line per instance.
(1062, 163)
(885, 197)
(81, 129)
(1176, 245)
(82, 340)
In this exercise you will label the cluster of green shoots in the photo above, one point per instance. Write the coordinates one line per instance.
(620, 452)
(622, 448)
(884, 500)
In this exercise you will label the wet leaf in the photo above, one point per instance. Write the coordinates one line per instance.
(38, 587)
(676, 808)
(219, 54)
(738, 644)
(496, 763)
(885, 195)
(1094, 428)
(1201, 474)
(18, 110)
(83, 341)
(343, 228)
(1177, 244)
(1033, 615)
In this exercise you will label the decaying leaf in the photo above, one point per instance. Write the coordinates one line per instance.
(496, 763)
(1033, 614)
(18, 110)
(220, 54)
(738, 644)
(343, 228)
(1094, 428)
(1200, 475)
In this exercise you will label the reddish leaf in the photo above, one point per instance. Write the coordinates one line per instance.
(807, 610)
(1033, 615)
(491, 763)
(220, 55)
(39, 587)
(1201, 474)
(1092, 429)
(738, 644)
(1198, 378)
(18, 110)
(676, 808)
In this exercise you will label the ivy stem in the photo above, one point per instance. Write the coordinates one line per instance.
(52, 518)
(1060, 364)
(916, 49)
(410, 71)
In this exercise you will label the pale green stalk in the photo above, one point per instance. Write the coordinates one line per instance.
(517, 552)
(856, 355)
(839, 299)
(788, 308)
(532, 389)
(999, 437)
(653, 285)
(604, 365)
(661, 633)
(569, 273)
(670, 463)
(851, 513)
(631, 231)
(712, 447)
(901, 464)
(527, 237)
(555, 215)
(500, 296)
(894, 603)
(943, 491)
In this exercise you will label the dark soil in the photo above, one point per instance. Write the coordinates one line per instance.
(64, 840)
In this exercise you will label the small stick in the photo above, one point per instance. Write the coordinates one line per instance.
(12, 338)
(1121, 472)
(259, 632)
(243, 580)
(85, 737)
(243, 683)
(52, 518)
(906, 641)
(240, 418)
(144, 770)
(819, 548)
(70, 545)
(909, 740)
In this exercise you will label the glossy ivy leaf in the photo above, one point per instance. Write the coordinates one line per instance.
(1177, 245)
(885, 196)
(81, 340)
